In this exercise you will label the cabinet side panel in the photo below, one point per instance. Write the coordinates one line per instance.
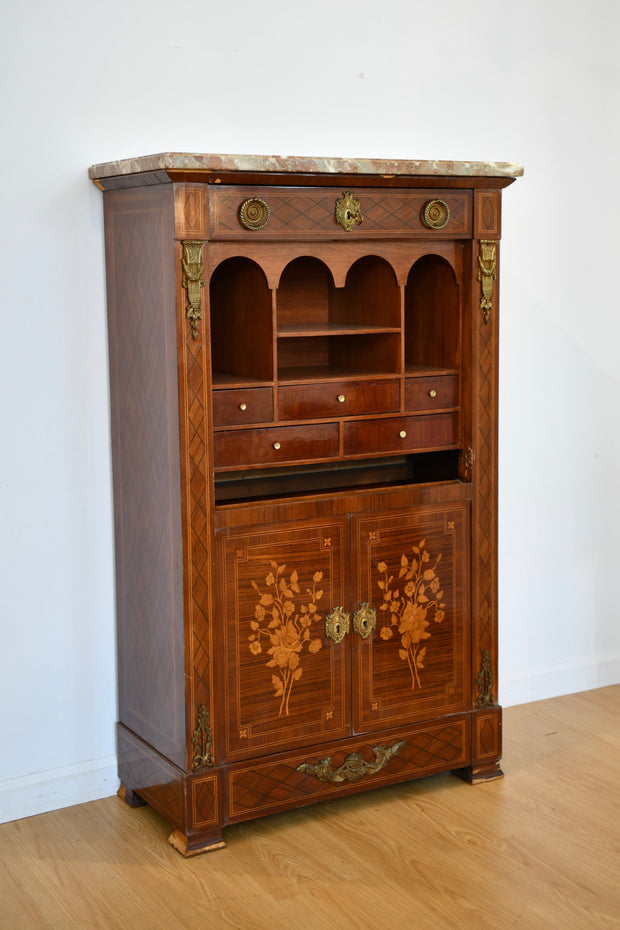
(145, 449)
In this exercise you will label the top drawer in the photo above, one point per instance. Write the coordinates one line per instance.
(310, 213)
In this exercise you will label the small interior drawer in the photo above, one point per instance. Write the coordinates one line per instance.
(400, 434)
(244, 448)
(338, 398)
(242, 405)
(433, 392)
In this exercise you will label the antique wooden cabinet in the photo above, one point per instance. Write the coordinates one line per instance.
(303, 362)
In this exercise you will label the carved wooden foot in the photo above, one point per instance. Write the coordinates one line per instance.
(130, 797)
(475, 774)
(195, 845)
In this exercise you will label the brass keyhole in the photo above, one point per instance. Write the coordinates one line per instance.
(348, 211)
(364, 620)
(337, 624)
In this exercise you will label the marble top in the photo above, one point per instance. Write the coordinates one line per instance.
(180, 161)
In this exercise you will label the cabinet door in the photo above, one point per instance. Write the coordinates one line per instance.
(286, 682)
(412, 568)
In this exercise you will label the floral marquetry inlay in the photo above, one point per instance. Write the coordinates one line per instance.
(283, 618)
(411, 605)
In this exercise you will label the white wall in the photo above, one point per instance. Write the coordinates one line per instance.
(535, 82)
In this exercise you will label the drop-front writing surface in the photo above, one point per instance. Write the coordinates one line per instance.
(304, 423)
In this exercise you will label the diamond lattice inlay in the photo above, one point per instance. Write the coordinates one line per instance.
(268, 785)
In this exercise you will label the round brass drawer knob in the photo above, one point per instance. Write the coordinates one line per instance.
(254, 213)
(243, 406)
(436, 214)
(403, 434)
(341, 398)
(276, 446)
(432, 393)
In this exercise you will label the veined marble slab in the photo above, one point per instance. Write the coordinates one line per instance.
(179, 161)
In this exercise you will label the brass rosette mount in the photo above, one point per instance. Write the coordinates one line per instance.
(254, 213)
(436, 214)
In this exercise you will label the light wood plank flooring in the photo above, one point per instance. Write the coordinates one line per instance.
(538, 849)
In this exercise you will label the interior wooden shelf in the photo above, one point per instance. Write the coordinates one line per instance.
(223, 379)
(422, 370)
(316, 373)
(332, 329)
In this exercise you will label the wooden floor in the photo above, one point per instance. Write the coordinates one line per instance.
(538, 849)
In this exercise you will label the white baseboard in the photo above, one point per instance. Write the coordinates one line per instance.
(555, 680)
(62, 787)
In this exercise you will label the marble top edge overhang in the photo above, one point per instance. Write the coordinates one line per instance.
(178, 161)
